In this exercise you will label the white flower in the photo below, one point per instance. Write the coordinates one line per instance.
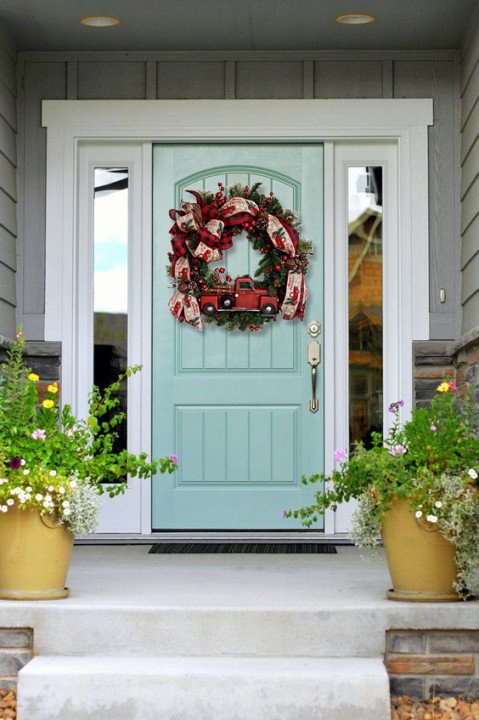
(28, 489)
(26, 471)
(3, 480)
(431, 518)
(38, 497)
(4, 508)
(28, 496)
(48, 498)
(418, 514)
(10, 501)
(61, 490)
(73, 483)
(67, 511)
(23, 461)
(52, 473)
(50, 488)
(65, 504)
(438, 504)
(472, 474)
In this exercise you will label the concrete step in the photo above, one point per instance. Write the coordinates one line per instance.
(356, 630)
(210, 631)
(187, 688)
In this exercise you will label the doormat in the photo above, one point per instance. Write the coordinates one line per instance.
(185, 548)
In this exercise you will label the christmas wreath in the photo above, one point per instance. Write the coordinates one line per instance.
(205, 229)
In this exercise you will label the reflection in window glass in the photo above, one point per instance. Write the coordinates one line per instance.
(111, 281)
(365, 267)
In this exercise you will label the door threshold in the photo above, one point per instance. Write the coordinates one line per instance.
(210, 536)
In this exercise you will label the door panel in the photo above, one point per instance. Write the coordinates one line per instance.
(235, 406)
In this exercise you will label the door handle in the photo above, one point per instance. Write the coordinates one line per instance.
(314, 358)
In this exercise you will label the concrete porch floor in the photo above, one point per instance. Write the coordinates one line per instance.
(330, 591)
(217, 637)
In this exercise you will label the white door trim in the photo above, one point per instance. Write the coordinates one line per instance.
(72, 122)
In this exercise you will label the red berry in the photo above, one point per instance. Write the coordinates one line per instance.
(277, 267)
(271, 194)
(218, 194)
(219, 184)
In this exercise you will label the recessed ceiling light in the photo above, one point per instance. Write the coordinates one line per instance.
(355, 18)
(100, 21)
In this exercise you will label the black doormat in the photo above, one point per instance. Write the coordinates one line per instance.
(185, 548)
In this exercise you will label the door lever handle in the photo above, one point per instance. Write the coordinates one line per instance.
(314, 358)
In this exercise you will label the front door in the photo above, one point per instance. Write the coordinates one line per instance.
(235, 406)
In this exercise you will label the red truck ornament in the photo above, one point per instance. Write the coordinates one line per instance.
(243, 296)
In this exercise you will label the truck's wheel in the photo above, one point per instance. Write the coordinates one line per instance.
(209, 309)
(227, 302)
(268, 309)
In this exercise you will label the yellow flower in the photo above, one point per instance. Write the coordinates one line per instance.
(443, 387)
(48, 404)
(33, 377)
(53, 388)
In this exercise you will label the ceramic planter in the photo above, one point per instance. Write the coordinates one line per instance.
(34, 556)
(421, 561)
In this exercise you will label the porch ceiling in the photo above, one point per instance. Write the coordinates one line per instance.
(235, 24)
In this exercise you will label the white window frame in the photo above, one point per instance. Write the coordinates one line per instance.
(397, 359)
(124, 514)
(133, 125)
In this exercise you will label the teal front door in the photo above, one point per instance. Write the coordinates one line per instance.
(235, 406)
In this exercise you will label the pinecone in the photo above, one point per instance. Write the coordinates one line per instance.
(261, 221)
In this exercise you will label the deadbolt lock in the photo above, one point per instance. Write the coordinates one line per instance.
(314, 328)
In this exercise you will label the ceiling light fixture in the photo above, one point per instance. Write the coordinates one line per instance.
(355, 18)
(100, 21)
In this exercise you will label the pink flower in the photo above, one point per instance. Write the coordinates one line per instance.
(397, 450)
(433, 428)
(452, 387)
(173, 458)
(340, 455)
(39, 434)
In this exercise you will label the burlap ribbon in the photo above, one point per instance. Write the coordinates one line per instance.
(213, 227)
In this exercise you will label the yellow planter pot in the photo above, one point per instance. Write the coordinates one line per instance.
(34, 556)
(421, 561)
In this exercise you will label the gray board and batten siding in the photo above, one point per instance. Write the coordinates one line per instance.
(203, 75)
(470, 178)
(8, 186)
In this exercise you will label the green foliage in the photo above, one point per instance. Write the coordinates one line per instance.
(42, 447)
(432, 461)
(239, 321)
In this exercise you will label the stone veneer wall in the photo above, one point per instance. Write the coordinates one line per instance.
(44, 358)
(435, 360)
(16, 649)
(466, 354)
(429, 663)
